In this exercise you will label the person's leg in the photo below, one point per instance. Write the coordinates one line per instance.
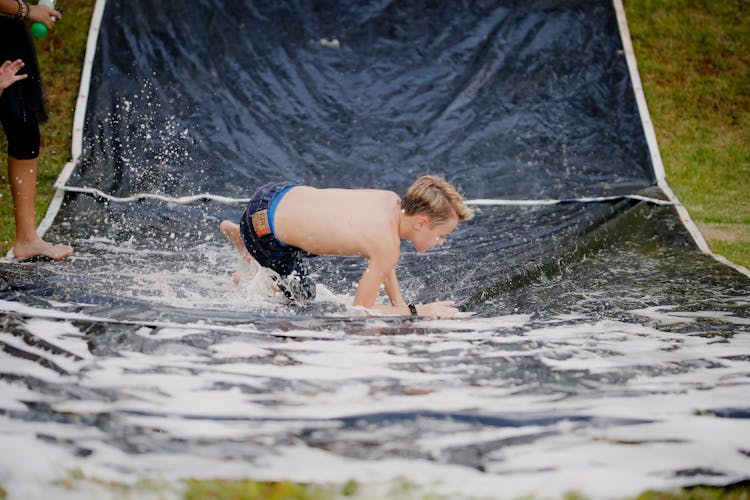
(232, 231)
(22, 177)
(293, 279)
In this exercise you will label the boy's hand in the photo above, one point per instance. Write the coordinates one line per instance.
(443, 309)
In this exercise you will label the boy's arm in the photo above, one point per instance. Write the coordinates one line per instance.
(377, 272)
(382, 269)
(393, 289)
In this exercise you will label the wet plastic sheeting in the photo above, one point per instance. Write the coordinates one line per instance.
(511, 99)
(178, 242)
(605, 355)
(155, 257)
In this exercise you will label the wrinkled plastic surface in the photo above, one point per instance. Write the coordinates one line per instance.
(506, 99)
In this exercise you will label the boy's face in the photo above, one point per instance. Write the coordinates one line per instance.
(428, 235)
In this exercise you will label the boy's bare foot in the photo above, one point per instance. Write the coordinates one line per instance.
(41, 248)
(239, 276)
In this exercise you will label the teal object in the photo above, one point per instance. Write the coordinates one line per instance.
(39, 30)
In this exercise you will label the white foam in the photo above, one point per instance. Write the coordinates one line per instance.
(641, 395)
(667, 315)
(238, 349)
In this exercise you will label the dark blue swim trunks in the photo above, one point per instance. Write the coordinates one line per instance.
(256, 229)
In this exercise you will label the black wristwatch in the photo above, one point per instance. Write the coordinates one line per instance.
(413, 309)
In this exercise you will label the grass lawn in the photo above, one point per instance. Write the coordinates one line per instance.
(694, 61)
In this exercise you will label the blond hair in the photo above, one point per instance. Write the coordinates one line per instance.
(433, 196)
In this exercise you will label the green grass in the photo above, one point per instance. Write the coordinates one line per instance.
(253, 490)
(246, 489)
(740, 491)
(695, 66)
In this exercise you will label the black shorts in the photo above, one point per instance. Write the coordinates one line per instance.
(255, 229)
(23, 136)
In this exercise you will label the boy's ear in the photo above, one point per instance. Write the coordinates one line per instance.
(420, 221)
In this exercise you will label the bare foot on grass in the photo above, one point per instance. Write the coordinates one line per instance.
(41, 248)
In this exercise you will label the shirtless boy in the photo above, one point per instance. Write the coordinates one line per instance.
(285, 221)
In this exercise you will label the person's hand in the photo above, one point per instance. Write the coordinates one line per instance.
(9, 73)
(443, 309)
(42, 14)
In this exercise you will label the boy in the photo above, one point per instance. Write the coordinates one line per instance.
(284, 221)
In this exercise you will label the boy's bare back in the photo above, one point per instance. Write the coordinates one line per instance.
(349, 222)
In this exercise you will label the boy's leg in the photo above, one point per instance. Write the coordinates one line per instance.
(232, 231)
(297, 286)
(22, 176)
